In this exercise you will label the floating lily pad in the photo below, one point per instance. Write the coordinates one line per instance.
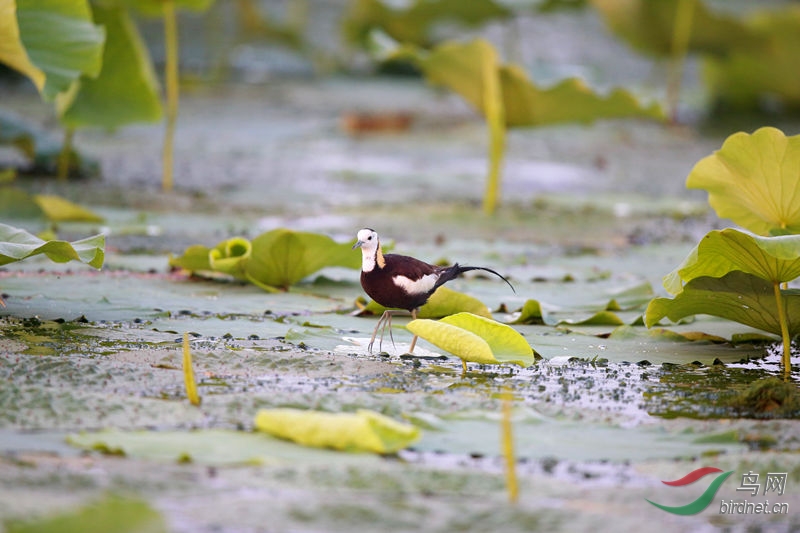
(214, 447)
(538, 437)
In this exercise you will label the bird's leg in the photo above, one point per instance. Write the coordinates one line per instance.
(388, 323)
(381, 320)
(414, 340)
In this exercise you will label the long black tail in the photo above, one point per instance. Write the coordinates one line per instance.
(456, 270)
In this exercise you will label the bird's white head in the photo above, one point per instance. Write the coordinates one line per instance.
(367, 240)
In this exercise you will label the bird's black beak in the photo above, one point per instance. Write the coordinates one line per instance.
(357, 245)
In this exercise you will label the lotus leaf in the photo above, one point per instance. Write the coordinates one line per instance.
(362, 431)
(737, 296)
(280, 258)
(648, 26)
(155, 8)
(462, 67)
(413, 25)
(754, 180)
(111, 513)
(774, 259)
(126, 89)
(746, 75)
(59, 209)
(211, 447)
(507, 97)
(475, 339)
(51, 42)
(274, 260)
(17, 244)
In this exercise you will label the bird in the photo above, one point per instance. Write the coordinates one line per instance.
(400, 282)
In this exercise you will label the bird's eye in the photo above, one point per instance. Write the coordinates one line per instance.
(369, 238)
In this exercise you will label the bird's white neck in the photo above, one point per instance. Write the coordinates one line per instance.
(370, 258)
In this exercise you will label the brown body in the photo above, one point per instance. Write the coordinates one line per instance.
(379, 283)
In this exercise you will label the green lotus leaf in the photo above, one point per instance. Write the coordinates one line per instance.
(53, 42)
(475, 339)
(17, 244)
(362, 431)
(280, 258)
(59, 209)
(736, 296)
(194, 259)
(742, 78)
(648, 26)
(571, 100)
(462, 67)
(444, 302)
(413, 24)
(110, 513)
(126, 90)
(773, 259)
(754, 180)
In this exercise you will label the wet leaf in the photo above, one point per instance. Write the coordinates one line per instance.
(754, 180)
(444, 302)
(111, 513)
(52, 43)
(17, 244)
(126, 89)
(736, 296)
(362, 431)
(475, 339)
(774, 259)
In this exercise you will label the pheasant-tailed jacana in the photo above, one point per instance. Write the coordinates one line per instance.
(400, 282)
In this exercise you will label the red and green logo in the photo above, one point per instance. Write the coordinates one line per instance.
(704, 500)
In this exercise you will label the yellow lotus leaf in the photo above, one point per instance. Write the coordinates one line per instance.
(754, 180)
(362, 431)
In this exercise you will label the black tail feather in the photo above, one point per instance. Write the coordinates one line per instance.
(456, 270)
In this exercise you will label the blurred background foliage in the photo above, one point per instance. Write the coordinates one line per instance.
(98, 61)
